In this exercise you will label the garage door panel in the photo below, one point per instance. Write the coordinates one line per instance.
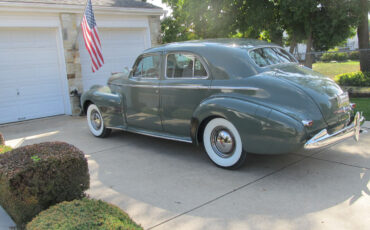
(50, 106)
(29, 69)
(120, 49)
(8, 111)
(29, 57)
(27, 38)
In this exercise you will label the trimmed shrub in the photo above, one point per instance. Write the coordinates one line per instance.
(2, 140)
(34, 177)
(334, 55)
(327, 57)
(82, 214)
(353, 79)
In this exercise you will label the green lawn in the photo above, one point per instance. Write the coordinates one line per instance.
(331, 69)
(363, 104)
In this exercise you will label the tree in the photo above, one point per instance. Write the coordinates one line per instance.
(363, 36)
(222, 18)
(323, 24)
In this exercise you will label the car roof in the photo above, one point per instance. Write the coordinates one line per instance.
(221, 43)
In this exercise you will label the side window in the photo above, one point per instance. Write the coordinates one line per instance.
(181, 65)
(148, 67)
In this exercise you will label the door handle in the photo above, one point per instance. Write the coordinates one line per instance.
(157, 91)
(18, 92)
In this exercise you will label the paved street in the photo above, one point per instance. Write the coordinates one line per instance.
(164, 184)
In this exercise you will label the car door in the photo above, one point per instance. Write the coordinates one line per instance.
(142, 94)
(185, 84)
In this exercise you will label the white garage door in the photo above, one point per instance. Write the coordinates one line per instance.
(120, 49)
(30, 80)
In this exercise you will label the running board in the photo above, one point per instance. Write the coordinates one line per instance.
(152, 134)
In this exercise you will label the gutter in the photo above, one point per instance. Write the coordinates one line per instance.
(67, 8)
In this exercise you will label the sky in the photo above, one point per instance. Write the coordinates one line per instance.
(160, 4)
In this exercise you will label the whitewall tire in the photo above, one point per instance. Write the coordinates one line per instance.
(223, 144)
(95, 122)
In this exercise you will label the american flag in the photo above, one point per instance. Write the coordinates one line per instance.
(91, 37)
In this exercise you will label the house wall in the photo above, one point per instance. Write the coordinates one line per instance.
(67, 26)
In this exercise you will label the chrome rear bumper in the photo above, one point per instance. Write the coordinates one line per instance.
(323, 139)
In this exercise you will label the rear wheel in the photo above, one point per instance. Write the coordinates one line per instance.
(223, 144)
(96, 123)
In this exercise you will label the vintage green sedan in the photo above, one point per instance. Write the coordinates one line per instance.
(232, 96)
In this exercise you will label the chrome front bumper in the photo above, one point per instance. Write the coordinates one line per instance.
(323, 139)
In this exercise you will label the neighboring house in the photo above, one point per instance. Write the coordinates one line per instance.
(42, 60)
(300, 50)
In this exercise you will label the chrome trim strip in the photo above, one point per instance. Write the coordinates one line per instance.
(159, 136)
(235, 88)
(185, 86)
(193, 87)
(172, 138)
(323, 139)
(139, 86)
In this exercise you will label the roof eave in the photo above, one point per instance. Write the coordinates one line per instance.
(65, 8)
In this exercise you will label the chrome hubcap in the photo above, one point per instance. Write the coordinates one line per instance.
(223, 142)
(95, 120)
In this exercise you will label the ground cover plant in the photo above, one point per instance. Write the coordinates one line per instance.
(83, 214)
(34, 177)
(3, 147)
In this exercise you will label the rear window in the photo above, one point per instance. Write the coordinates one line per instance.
(271, 56)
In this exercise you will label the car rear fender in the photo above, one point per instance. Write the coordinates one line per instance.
(263, 130)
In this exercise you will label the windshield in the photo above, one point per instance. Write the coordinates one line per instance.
(271, 56)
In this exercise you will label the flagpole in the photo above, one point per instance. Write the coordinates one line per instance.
(79, 25)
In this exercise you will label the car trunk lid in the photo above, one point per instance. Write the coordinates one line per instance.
(328, 96)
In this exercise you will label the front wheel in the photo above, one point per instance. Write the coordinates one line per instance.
(96, 123)
(223, 144)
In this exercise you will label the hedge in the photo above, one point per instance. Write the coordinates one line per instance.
(327, 57)
(34, 177)
(82, 214)
(353, 79)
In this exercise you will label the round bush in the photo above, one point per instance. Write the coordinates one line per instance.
(82, 214)
(34, 177)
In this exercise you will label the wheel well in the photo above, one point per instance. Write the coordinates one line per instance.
(86, 105)
(202, 126)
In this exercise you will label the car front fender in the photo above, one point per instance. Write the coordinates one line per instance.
(109, 103)
(263, 130)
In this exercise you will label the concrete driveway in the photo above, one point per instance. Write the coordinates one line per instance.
(170, 185)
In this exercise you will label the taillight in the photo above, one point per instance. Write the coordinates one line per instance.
(307, 123)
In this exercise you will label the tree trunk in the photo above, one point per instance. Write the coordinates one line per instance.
(363, 38)
(309, 56)
(293, 44)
